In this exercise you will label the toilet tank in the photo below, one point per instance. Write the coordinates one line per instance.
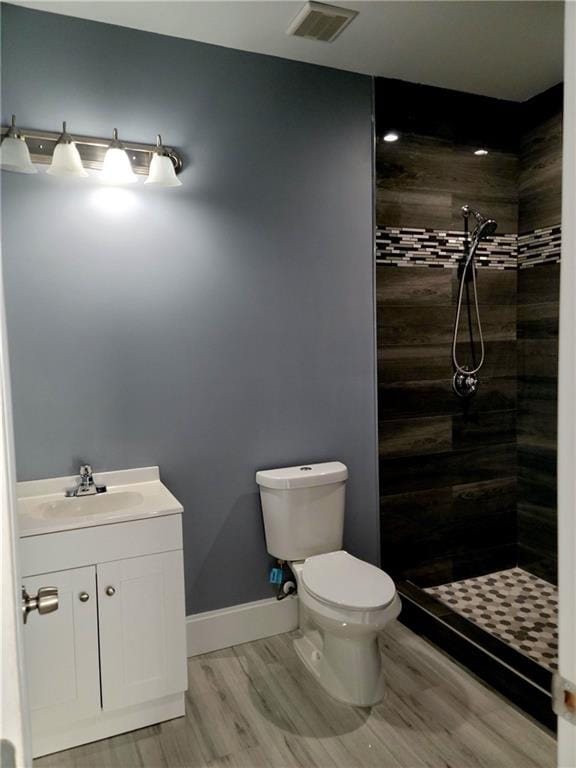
(303, 509)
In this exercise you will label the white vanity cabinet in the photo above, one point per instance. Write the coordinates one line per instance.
(112, 657)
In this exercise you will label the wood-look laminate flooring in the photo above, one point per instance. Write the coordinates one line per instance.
(255, 706)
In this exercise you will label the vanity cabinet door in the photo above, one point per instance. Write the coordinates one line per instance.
(61, 651)
(142, 632)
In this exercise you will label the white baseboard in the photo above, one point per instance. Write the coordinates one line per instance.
(238, 624)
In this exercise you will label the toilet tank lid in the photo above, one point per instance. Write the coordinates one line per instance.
(303, 476)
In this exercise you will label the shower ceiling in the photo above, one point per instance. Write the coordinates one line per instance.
(509, 50)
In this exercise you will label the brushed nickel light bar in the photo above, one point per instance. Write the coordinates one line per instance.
(41, 145)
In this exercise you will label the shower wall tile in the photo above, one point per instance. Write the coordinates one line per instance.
(423, 181)
(491, 428)
(416, 363)
(409, 399)
(438, 532)
(540, 188)
(538, 310)
(406, 437)
(467, 487)
(447, 467)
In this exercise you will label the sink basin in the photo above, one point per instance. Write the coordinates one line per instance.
(133, 494)
(102, 503)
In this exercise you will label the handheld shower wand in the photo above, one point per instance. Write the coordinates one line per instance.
(465, 379)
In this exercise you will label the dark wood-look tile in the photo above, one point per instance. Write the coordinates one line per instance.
(409, 509)
(423, 181)
(408, 437)
(538, 321)
(484, 513)
(484, 428)
(541, 563)
(447, 469)
(540, 181)
(498, 323)
(431, 534)
(538, 358)
(414, 326)
(413, 286)
(537, 403)
(536, 430)
(414, 363)
(485, 560)
(494, 286)
(539, 284)
(537, 476)
(412, 399)
(500, 358)
(429, 573)
(537, 539)
(436, 398)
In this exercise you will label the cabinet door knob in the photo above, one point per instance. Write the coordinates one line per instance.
(110, 591)
(45, 601)
(84, 597)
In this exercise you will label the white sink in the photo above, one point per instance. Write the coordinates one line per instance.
(131, 494)
(102, 503)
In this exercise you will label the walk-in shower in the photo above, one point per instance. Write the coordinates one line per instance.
(465, 379)
(468, 250)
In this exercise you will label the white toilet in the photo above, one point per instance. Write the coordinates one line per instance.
(344, 602)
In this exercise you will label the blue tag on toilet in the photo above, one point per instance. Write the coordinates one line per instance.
(276, 576)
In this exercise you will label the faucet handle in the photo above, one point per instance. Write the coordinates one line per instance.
(85, 470)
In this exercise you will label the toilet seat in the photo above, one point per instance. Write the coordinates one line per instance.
(341, 580)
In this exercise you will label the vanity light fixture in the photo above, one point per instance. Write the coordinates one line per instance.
(480, 152)
(23, 149)
(117, 168)
(66, 160)
(391, 136)
(162, 172)
(14, 152)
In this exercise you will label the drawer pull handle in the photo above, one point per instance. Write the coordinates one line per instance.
(84, 597)
(110, 591)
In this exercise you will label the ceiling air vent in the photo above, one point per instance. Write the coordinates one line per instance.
(318, 21)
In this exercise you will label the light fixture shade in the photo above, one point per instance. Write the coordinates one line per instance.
(162, 172)
(117, 168)
(15, 156)
(66, 161)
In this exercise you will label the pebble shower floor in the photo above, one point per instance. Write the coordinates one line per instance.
(513, 605)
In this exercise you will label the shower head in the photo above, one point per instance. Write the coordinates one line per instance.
(484, 226)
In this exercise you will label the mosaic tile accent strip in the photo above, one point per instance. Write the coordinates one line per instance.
(513, 605)
(539, 246)
(410, 247)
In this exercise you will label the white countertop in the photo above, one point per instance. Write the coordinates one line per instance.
(139, 493)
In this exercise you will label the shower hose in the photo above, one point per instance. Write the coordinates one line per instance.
(468, 265)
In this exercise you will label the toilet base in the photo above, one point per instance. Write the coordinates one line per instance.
(350, 670)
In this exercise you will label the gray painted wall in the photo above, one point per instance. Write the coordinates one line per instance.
(215, 329)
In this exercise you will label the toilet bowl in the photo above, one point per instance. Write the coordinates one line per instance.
(344, 602)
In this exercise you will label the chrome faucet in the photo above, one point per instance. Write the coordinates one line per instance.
(86, 485)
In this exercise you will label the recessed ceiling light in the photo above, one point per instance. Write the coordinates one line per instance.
(391, 136)
(481, 152)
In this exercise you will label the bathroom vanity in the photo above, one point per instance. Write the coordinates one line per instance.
(112, 656)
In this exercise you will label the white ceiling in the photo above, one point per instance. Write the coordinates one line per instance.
(509, 50)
